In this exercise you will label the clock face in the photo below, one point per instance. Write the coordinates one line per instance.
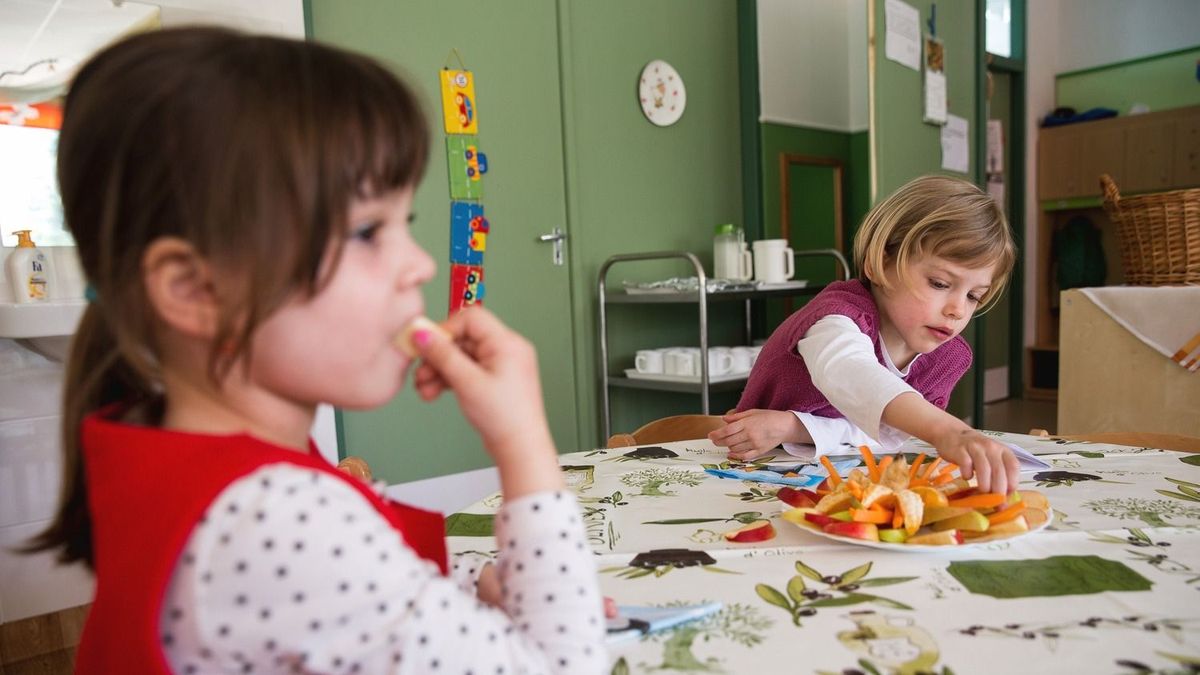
(661, 93)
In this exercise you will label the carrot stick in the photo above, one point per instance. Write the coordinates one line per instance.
(1007, 514)
(885, 463)
(855, 489)
(869, 516)
(987, 500)
(869, 459)
(834, 478)
(942, 478)
(948, 469)
(912, 470)
(897, 519)
(928, 472)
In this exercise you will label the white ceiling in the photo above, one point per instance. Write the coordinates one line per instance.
(77, 29)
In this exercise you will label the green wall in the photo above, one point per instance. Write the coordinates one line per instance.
(632, 186)
(906, 147)
(1163, 81)
(996, 322)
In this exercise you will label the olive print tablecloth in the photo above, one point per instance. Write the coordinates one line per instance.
(1111, 586)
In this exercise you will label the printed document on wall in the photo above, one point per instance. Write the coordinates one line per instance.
(903, 40)
(955, 150)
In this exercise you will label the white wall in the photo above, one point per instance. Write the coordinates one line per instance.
(30, 386)
(812, 57)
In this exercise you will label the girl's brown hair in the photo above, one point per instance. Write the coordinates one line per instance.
(936, 215)
(249, 148)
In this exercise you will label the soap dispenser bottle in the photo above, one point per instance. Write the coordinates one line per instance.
(28, 270)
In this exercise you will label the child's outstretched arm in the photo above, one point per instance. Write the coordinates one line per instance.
(994, 466)
(750, 434)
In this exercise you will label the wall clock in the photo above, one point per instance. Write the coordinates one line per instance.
(661, 93)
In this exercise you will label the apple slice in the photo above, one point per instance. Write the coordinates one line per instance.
(820, 519)
(759, 530)
(1035, 517)
(1035, 500)
(943, 538)
(1010, 527)
(935, 513)
(893, 535)
(796, 498)
(866, 531)
(972, 521)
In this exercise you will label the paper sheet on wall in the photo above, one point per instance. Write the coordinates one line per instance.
(955, 150)
(995, 188)
(903, 39)
(935, 97)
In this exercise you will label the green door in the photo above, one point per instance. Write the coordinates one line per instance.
(519, 108)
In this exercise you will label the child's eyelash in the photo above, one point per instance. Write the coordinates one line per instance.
(366, 231)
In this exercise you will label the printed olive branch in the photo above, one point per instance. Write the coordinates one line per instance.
(800, 601)
(1187, 491)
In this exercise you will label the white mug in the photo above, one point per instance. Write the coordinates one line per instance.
(649, 361)
(774, 261)
(743, 358)
(720, 361)
(681, 362)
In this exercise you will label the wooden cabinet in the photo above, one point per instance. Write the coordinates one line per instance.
(1143, 153)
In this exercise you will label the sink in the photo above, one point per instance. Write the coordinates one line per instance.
(40, 319)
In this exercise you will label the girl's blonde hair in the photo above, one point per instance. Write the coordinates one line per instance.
(249, 148)
(936, 215)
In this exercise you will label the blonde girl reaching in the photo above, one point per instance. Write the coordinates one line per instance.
(873, 360)
(241, 207)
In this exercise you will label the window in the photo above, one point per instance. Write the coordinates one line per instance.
(998, 24)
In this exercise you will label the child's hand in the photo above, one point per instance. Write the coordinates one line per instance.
(493, 373)
(994, 466)
(753, 433)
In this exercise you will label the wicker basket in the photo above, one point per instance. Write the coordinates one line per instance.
(1159, 234)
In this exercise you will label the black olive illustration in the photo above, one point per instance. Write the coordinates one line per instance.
(675, 557)
(1067, 477)
(651, 452)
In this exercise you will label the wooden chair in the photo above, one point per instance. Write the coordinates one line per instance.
(1135, 438)
(667, 429)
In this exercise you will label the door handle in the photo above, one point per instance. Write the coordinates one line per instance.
(557, 237)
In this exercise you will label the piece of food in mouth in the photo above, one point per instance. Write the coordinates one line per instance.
(405, 339)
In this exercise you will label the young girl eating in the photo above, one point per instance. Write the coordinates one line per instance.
(241, 207)
(873, 360)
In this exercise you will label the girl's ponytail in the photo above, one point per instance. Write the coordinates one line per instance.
(96, 376)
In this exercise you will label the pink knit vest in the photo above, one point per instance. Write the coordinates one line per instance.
(780, 379)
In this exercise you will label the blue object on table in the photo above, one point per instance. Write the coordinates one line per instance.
(633, 622)
(810, 474)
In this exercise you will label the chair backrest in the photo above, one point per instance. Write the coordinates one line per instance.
(668, 429)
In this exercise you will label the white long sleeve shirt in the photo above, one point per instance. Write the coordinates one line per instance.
(841, 360)
(291, 570)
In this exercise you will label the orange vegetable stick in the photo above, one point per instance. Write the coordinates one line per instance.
(942, 478)
(1007, 514)
(928, 472)
(948, 469)
(872, 466)
(897, 519)
(987, 500)
(834, 478)
(885, 463)
(855, 489)
(870, 516)
(912, 470)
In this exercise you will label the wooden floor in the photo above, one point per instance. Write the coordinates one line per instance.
(1019, 415)
(44, 644)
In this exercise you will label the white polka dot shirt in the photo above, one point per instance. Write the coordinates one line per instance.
(291, 570)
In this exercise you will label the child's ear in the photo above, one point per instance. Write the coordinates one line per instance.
(179, 286)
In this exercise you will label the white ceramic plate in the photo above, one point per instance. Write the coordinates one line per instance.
(912, 548)
(661, 93)
(764, 286)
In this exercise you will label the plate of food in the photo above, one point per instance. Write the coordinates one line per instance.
(890, 504)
